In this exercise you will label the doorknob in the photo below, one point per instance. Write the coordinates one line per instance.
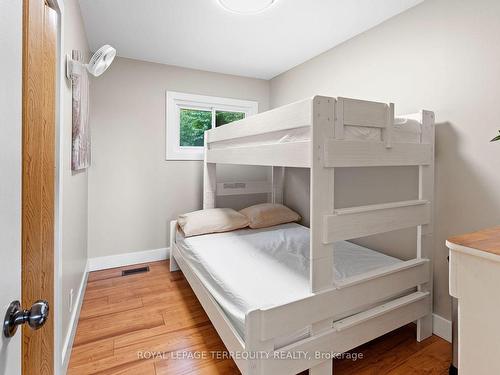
(15, 316)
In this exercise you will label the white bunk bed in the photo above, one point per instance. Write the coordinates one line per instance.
(335, 314)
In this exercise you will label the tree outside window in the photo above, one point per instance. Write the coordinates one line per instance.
(194, 122)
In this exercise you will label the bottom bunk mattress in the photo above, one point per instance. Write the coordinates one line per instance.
(248, 269)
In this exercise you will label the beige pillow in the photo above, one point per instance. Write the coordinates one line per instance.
(212, 220)
(269, 214)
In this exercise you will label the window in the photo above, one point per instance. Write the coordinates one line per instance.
(189, 116)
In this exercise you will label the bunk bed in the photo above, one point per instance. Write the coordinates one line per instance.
(298, 322)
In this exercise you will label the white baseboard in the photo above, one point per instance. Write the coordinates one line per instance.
(73, 323)
(126, 259)
(441, 327)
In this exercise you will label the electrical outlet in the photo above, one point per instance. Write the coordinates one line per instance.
(70, 300)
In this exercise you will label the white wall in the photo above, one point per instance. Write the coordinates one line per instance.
(74, 185)
(442, 55)
(133, 191)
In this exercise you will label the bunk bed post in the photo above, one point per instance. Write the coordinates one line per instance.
(278, 183)
(322, 203)
(339, 119)
(209, 179)
(425, 242)
(387, 132)
(254, 346)
(322, 190)
(172, 262)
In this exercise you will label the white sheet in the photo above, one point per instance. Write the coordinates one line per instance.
(404, 131)
(248, 269)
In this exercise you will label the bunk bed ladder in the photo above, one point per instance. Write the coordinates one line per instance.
(330, 150)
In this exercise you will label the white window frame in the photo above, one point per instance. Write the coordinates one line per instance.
(178, 100)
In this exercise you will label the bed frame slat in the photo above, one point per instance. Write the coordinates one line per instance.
(364, 113)
(352, 294)
(294, 154)
(355, 222)
(375, 154)
(364, 327)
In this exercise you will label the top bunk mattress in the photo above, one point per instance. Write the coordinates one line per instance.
(249, 269)
(404, 131)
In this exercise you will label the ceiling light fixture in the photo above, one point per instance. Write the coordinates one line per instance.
(246, 6)
(100, 61)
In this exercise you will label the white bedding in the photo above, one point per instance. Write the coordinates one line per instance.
(248, 269)
(404, 131)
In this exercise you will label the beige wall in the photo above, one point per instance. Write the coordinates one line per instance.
(357, 187)
(443, 56)
(133, 191)
(74, 185)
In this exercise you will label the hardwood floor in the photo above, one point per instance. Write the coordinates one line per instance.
(151, 323)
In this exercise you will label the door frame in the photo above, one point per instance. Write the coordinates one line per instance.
(60, 343)
(63, 341)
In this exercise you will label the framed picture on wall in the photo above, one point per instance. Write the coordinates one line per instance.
(81, 143)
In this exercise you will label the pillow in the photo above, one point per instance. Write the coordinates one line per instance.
(212, 220)
(269, 214)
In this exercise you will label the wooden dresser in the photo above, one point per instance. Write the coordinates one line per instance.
(475, 282)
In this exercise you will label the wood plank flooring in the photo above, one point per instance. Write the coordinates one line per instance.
(137, 324)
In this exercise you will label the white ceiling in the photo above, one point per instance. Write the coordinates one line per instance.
(202, 35)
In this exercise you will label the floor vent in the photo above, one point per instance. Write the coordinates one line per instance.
(134, 271)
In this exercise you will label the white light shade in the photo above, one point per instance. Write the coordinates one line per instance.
(101, 60)
(246, 6)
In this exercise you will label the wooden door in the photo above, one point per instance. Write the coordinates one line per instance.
(38, 179)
